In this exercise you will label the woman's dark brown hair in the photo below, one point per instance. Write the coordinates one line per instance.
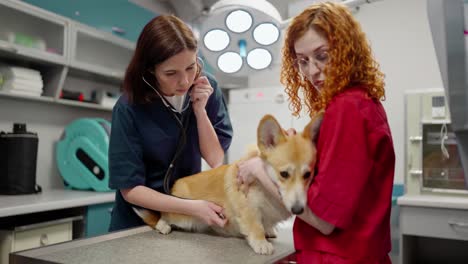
(163, 37)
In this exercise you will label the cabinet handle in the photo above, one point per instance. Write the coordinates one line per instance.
(414, 139)
(44, 240)
(415, 172)
(453, 223)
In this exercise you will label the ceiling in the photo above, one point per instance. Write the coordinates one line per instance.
(190, 10)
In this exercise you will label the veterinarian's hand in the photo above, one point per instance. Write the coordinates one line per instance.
(247, 172)
(208, 212)
(200, 93)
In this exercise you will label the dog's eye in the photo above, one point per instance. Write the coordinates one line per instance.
(307, 175)
(284, 174)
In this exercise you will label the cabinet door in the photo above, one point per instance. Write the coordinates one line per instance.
(33, 33)
(98, 219)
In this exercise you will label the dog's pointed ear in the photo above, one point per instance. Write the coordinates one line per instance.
(269, 133)
(312, 129)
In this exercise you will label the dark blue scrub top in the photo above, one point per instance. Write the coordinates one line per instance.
(143, 141)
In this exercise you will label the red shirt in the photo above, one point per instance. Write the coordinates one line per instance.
(353, 186)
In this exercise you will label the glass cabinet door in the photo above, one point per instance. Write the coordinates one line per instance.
(441, 163)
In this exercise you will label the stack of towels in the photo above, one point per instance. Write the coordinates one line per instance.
(21, 81)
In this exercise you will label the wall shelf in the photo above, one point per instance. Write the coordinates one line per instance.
(69, 55)
(45, 99)
(82, 104)
(32, 32)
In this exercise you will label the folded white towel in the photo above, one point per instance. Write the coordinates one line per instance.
(23, 84)
(27, 93)
(12, 72)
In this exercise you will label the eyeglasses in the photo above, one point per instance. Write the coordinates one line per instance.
(319, 59)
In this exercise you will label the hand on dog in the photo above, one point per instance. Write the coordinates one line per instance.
(247, 171)
(200, 93)
(208, 212)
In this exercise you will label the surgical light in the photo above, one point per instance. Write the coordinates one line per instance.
(241, 36)
(238, 32)
(229, 62)
(266, 33)
(259, 58)
(239, 21)
(216, 40)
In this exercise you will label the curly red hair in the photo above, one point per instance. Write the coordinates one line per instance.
(350, 63)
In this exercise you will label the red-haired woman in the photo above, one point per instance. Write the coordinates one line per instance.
(168, 118)
(347, 217)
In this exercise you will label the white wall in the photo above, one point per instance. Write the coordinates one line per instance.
(401, 40)
(402, 43)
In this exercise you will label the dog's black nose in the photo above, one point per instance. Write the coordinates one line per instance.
(297, 209)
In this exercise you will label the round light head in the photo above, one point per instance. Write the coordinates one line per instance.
(259, 58)
(266, 34)
(239, 21)
(216, 40)
(230, 62)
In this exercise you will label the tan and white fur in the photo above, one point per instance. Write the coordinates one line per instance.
(253, 214)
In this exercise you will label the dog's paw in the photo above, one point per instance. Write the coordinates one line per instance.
(261, 247)
(163, 227)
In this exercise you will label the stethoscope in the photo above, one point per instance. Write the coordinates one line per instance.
(166, 103)
(183, 124)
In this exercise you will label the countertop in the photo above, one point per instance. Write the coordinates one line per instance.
(52, 199)
(435, 201)
(144, 245)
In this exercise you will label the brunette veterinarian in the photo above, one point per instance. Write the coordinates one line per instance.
(166, 102)
(347, 220)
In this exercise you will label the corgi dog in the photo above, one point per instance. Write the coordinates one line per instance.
(252, 215)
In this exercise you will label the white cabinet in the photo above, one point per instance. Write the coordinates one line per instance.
(35, 39)
(99, 52)
(433, 229)
(70, 56)
(35, 235)
(97, 65)
(33, 33)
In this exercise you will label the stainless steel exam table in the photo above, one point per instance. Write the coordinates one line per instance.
(144, 245)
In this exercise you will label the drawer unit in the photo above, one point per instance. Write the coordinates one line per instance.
(434, 222)
(35, 235)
